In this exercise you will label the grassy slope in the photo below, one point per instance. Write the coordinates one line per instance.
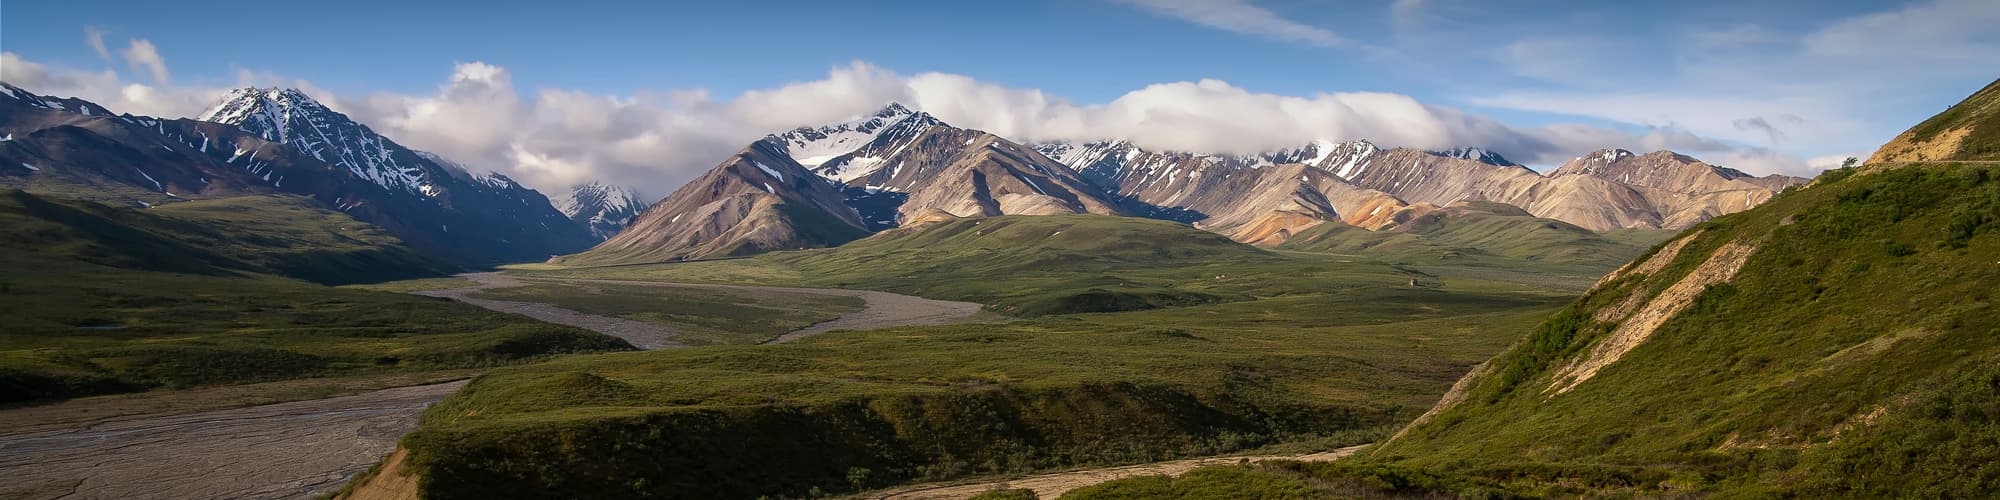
(1853, 356)
(1041, 265)
(259, 234)
(1876, 297)
(292, 237)
(1480, 233)
(1292, 346)
(100, 299)
(890, 406)
(702, 316)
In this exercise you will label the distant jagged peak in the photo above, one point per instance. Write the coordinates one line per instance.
(289, 116)
(1479, 155)
(813, 146)
(240, 105)
(1606, 155)
(894, 108)
(599, 196)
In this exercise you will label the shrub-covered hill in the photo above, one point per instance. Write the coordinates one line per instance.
(1481, 232)
(1839, 340)
(278, 235)
(99, 299)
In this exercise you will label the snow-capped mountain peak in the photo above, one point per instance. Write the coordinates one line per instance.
(814, 146)
(1478, 155)
(603, 208)
(291, 117)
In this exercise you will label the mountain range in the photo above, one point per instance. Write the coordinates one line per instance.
(819, 186)
(277, 141)
(900, 166)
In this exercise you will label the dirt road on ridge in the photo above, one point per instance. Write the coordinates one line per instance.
(1056, 484)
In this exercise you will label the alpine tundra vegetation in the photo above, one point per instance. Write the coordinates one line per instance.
(1123, 249)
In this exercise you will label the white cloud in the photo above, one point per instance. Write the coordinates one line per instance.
(106, 89)
(1239, 16)
(140, 53)
(95, 38)
(549, 139)
(22, 71)
(1806, 92)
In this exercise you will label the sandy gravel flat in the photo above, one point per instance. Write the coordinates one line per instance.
(1056, 484)
(285, 450)
(640, 334)
(883, 309)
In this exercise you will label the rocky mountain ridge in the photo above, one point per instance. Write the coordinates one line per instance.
(278, 141)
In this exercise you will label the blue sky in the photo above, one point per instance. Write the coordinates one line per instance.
(1773, 86)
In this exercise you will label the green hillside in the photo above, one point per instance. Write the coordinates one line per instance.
(102, 299)
(259, 234)
(1480, 232)
(885, 407)
(1025, 265)
(1212, 347)
(1854, 354)
(1039, 265)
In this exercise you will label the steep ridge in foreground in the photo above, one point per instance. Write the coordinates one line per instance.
(1837, 341)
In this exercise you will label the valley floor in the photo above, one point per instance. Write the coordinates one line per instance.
(881, 309)
(287, 450)
(301, 449)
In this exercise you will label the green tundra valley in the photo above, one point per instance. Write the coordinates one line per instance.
(1123, 249)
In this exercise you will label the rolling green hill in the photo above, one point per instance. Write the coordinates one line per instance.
(1025, 265)
(1039, 265)
(884, 407)
(1480, 232)
(1212, 346)
(278, 235)
(1853, 353)
(101, 299)
(1838, 341)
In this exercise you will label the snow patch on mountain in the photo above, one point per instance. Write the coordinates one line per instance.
(815, 146)
(603, 208)
(1478, 155)
(291, 117)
